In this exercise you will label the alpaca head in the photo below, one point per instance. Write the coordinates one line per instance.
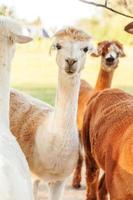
(110, 51)
(129, 28)
(72, 47)
(10, 33)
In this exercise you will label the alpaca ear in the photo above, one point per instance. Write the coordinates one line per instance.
(101, 46)
(20, 38)
(95, 53)
(98, 51)
(129, 28)
(120, 49)
(121, 53)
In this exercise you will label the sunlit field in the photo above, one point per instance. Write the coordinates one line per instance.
(34, 70)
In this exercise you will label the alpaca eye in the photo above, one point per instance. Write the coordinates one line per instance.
(85, 49)
(117, 54)
(58, 46)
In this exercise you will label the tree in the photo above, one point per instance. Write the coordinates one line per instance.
(121, 7)
(6, 11)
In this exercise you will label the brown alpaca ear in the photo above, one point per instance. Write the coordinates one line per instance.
(129, 28)
(120, 47)
(95, 53)
(99, 50)
(101, 47)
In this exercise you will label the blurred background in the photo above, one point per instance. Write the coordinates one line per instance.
(34, 70)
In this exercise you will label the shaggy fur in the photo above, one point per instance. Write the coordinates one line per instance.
(26, 114)
(72, 34)
(108, 138)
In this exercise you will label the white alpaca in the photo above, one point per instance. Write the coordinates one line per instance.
(49, 136)
(14, 172)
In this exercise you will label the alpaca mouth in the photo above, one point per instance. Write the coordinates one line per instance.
(70, 71)
(109, 64)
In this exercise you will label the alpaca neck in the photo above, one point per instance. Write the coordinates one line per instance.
(104, 79)
(65, 115)
(4, 93)
(84, 95)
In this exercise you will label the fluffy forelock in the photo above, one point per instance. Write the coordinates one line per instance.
(72, 33)
(107, 44)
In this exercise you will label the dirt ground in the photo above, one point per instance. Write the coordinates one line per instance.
(70, 193)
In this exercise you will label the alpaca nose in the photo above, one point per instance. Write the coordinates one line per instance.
(110, 59)
(71, 61)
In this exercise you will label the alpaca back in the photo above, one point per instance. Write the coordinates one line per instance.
(26, 115)
(108, 115)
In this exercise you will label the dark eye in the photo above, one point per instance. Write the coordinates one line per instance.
(58, 46)
(117, 54)
(85, 49)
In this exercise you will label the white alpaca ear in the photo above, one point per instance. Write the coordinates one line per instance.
(20, 38)
(95, 52)
(51, 49)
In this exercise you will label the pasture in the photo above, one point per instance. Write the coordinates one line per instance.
(34, 70)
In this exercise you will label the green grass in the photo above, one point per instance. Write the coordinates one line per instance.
(35, 71)
(46, 94)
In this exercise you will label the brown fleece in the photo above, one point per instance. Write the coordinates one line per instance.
(25, 118)
(104, 80)
(108, 136)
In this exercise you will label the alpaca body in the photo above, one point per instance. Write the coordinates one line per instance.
(109, 118)
(110, 51)
(104, 80)
(114, 103)
(64, 144)
(13, 166)
(49, 137)
(62, 128)
(84, 95)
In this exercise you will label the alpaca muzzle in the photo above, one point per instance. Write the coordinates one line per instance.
(110, 61)
(70, 66)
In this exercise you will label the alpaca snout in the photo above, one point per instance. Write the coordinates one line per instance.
(70, 67)
(110, 61)
(70, 61)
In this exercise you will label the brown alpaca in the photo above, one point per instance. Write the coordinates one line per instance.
(108, 142)
(110, 51)
(129, 28)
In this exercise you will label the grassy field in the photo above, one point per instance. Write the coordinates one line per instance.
(35, 71)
